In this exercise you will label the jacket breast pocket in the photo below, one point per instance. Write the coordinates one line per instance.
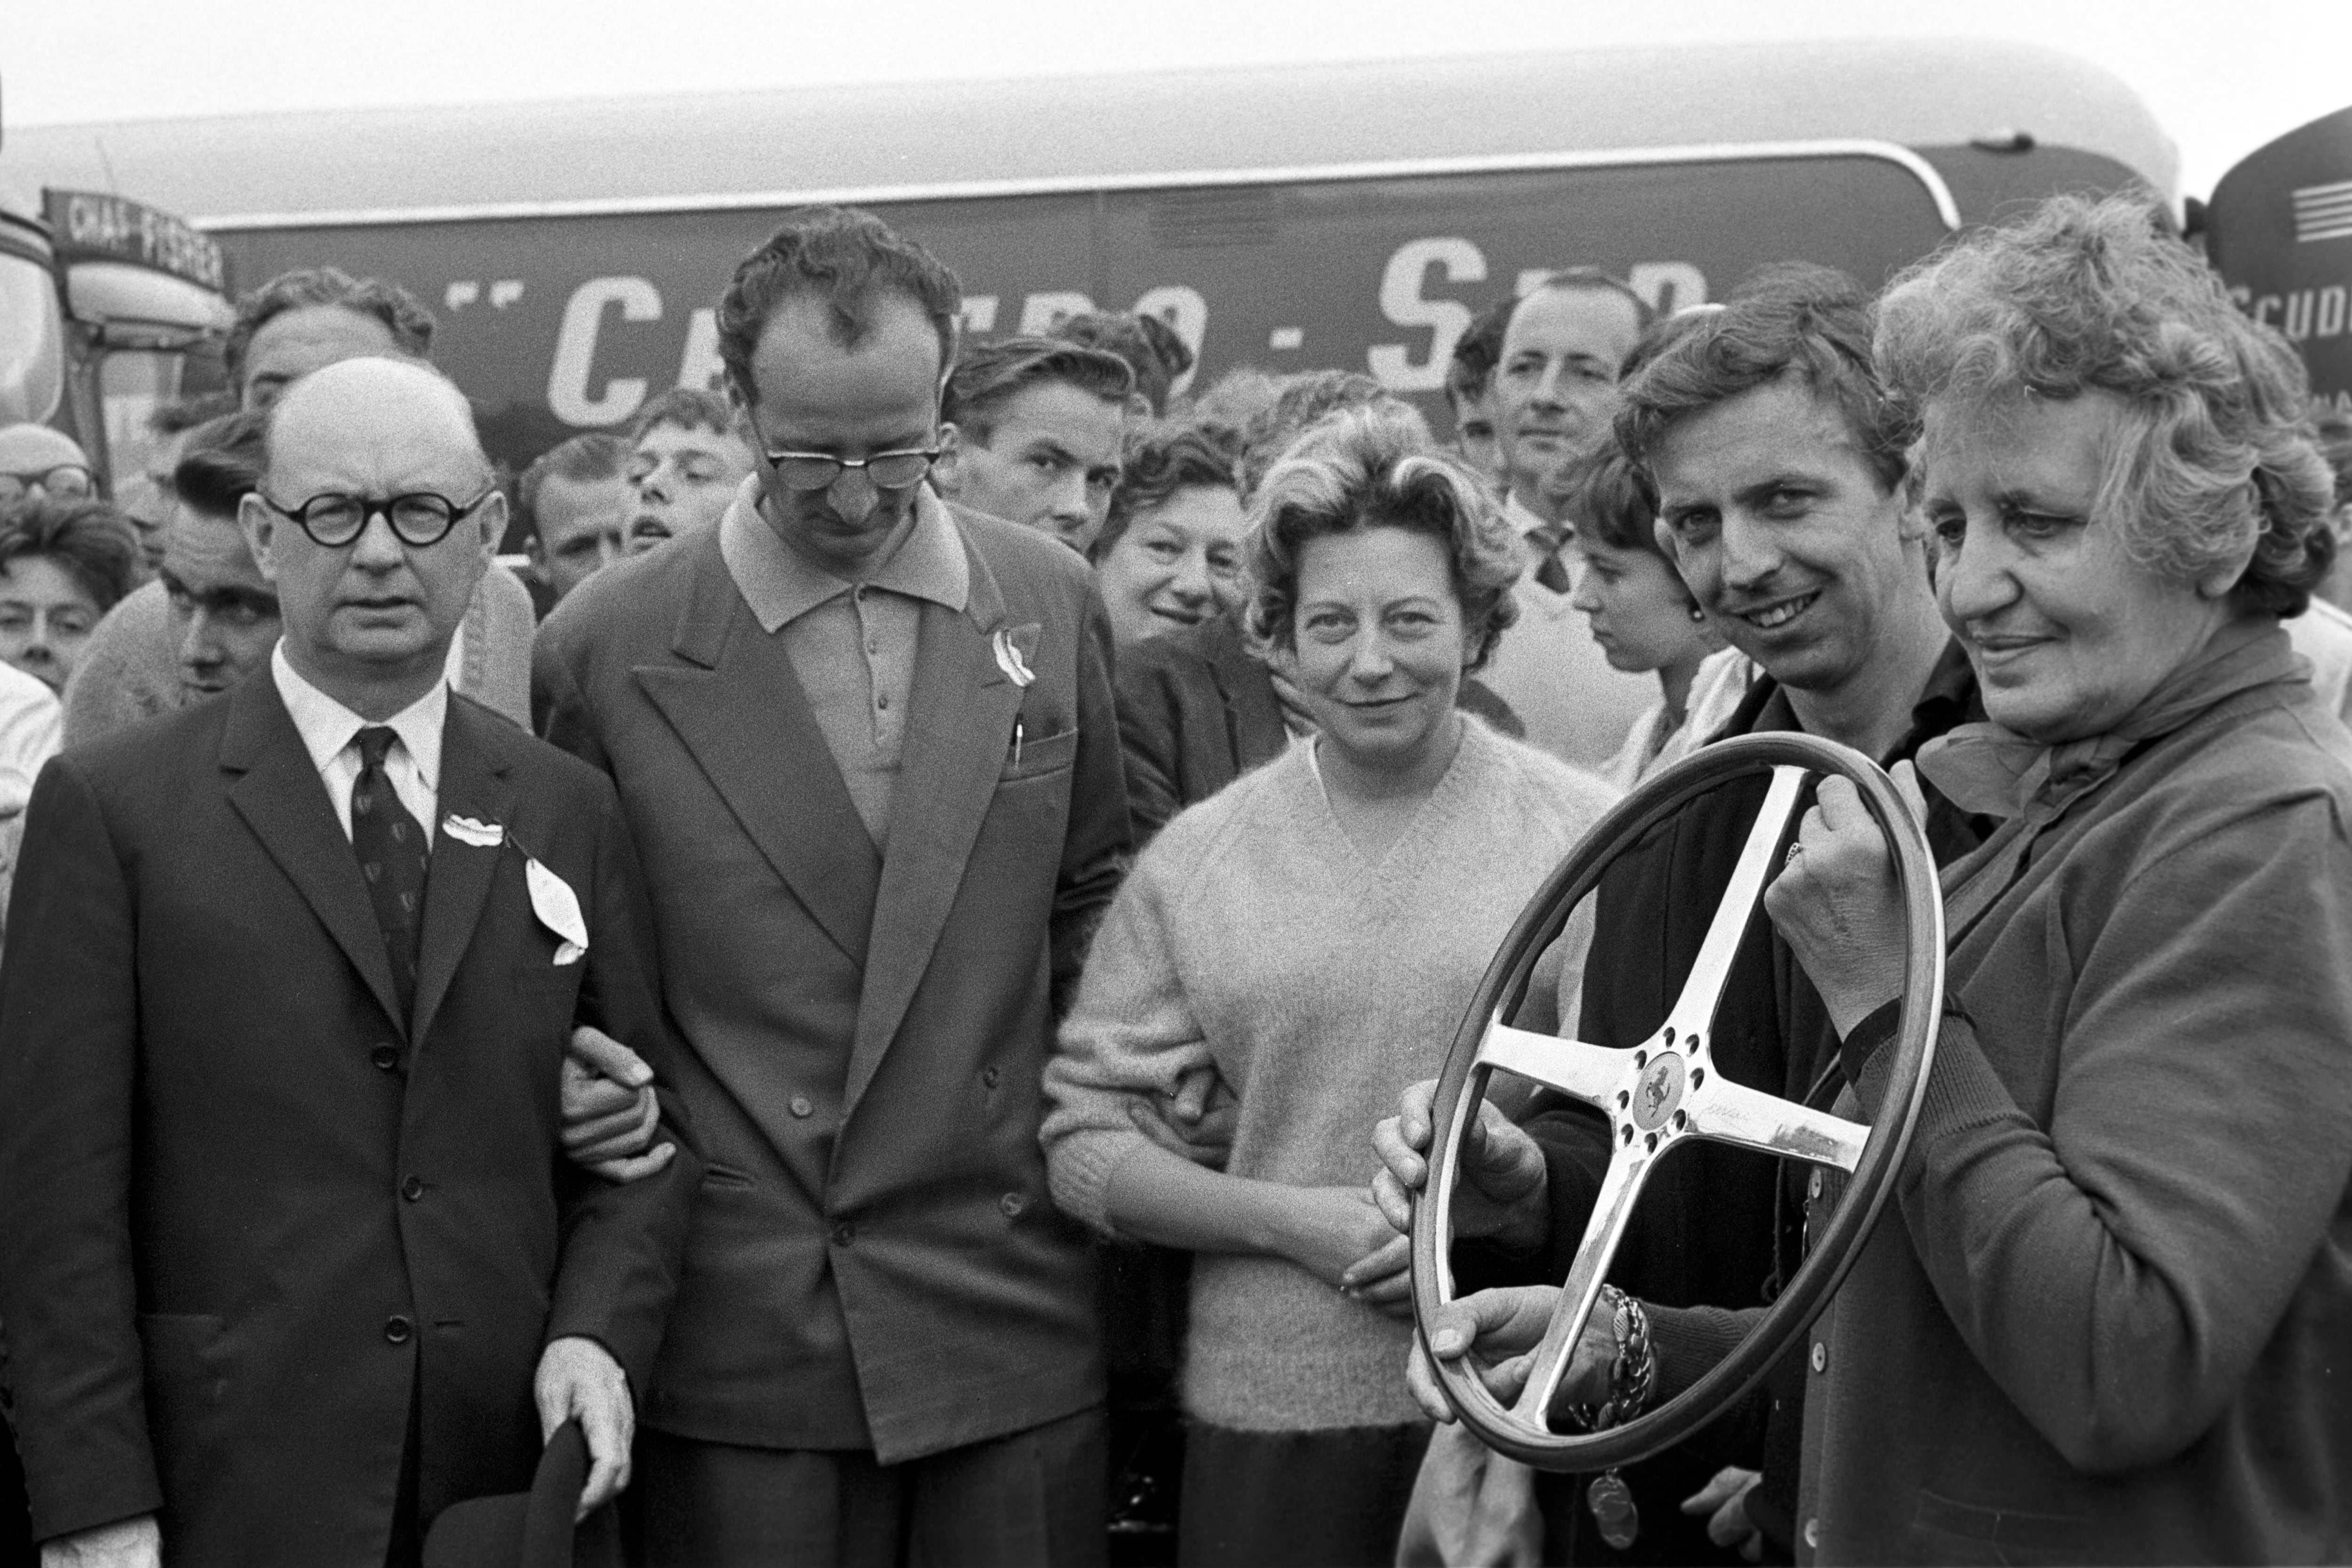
(1034, 757)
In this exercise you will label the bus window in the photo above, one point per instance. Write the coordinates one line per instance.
(32, 342)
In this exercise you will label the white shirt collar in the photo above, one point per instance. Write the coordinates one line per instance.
(326, 726)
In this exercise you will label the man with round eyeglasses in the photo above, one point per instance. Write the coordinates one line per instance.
(296, 1260)
(864, 740)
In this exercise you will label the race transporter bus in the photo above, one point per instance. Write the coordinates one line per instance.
(1352, 215)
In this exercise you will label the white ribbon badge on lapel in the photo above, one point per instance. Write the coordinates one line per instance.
(1008, 659)
(558, 908)
(465, 831)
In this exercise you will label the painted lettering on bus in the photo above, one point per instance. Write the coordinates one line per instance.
(571, 395)
(1668, 286)
(2302, 314)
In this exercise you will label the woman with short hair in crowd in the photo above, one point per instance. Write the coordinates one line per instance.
(1169, 555)
(2109, 1315)
(1313, 933)
(1643, 616)
(63, 564)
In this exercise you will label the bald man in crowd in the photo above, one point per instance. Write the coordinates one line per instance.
(294, 1261)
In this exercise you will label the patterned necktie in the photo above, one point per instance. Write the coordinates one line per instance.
(393, 856)
(1549, 544)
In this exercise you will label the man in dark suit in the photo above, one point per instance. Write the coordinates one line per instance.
(866, 742)
(293, 1257)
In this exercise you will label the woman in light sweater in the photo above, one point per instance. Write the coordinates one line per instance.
(1313, 932)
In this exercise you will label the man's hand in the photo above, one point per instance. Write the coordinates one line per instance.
(1498, 1332)
(609, 1109)
(1501, 1194)
(1836, 904)
(1196, 1123)
(578, 1379)
(1725, 1500)
(125, 1543)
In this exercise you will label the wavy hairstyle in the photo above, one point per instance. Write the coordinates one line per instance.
(1161, 459)
(1794, 320)
(1373, 468)
(2216, 456)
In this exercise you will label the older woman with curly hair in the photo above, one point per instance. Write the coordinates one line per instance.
(1313, 933)
(2109, 1317)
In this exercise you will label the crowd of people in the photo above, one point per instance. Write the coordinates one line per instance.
(874, 999)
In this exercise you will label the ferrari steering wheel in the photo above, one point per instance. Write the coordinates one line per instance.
(1661, 1094)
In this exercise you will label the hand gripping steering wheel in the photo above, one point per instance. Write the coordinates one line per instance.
(1667, 1091)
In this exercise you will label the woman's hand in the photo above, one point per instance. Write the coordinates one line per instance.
(1497, 1331)
(1724, 1501)
(1836, 902)
(1335, 1234)
(1501, 1194)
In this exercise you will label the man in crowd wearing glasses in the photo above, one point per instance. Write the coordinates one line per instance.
(294, 1259)
(37, 462)
(865, 739)
(1039, 425)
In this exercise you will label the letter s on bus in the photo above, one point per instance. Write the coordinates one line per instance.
(1404, 303)
(575, 351)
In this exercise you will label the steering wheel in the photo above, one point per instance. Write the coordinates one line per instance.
(1664, 1092)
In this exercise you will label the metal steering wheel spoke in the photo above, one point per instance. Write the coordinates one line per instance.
(1613, 1211)
(1729, 1112)
(1694, 1011)
(1592, 1074)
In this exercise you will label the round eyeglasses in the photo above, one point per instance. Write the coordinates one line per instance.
(420, 518)
(806, 472)
(65, 482)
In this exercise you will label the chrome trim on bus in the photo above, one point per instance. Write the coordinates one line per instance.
(1903, 157)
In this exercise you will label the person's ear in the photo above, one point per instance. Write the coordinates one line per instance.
(947, 474)
(2216, 581)
(492, 520)
(260, 527)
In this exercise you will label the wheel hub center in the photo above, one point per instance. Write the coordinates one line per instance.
(1658, 1092)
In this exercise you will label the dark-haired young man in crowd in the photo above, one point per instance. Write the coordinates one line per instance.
(1038, 424)
(1778, 464)
(297, 322)
(1470, 391)
(865, 746)
(1553, 390)
(576, 497)
(689, 456)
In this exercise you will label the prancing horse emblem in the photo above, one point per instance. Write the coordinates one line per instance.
(1660, 1091)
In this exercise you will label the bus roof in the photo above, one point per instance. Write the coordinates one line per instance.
(776, 147)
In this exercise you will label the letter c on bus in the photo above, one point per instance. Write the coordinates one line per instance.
(1402, 303)
(568, 394)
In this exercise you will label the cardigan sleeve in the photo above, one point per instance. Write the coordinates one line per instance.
(2118, 1273)
(1130, 1032)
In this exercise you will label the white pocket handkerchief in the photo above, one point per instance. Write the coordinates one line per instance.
(558, 908)
(465, 831)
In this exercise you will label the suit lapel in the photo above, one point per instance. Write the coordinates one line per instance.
(282, 798)
(957, 729)
(474, 784)
(767, 759)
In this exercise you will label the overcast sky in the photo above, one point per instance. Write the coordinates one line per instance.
(2223, 76)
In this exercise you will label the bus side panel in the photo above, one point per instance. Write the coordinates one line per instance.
(555, 325)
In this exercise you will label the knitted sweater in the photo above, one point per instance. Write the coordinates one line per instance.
(1253, 935)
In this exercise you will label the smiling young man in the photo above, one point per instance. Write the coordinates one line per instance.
(1038, 424)
(865, 741)
(1779, 466)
